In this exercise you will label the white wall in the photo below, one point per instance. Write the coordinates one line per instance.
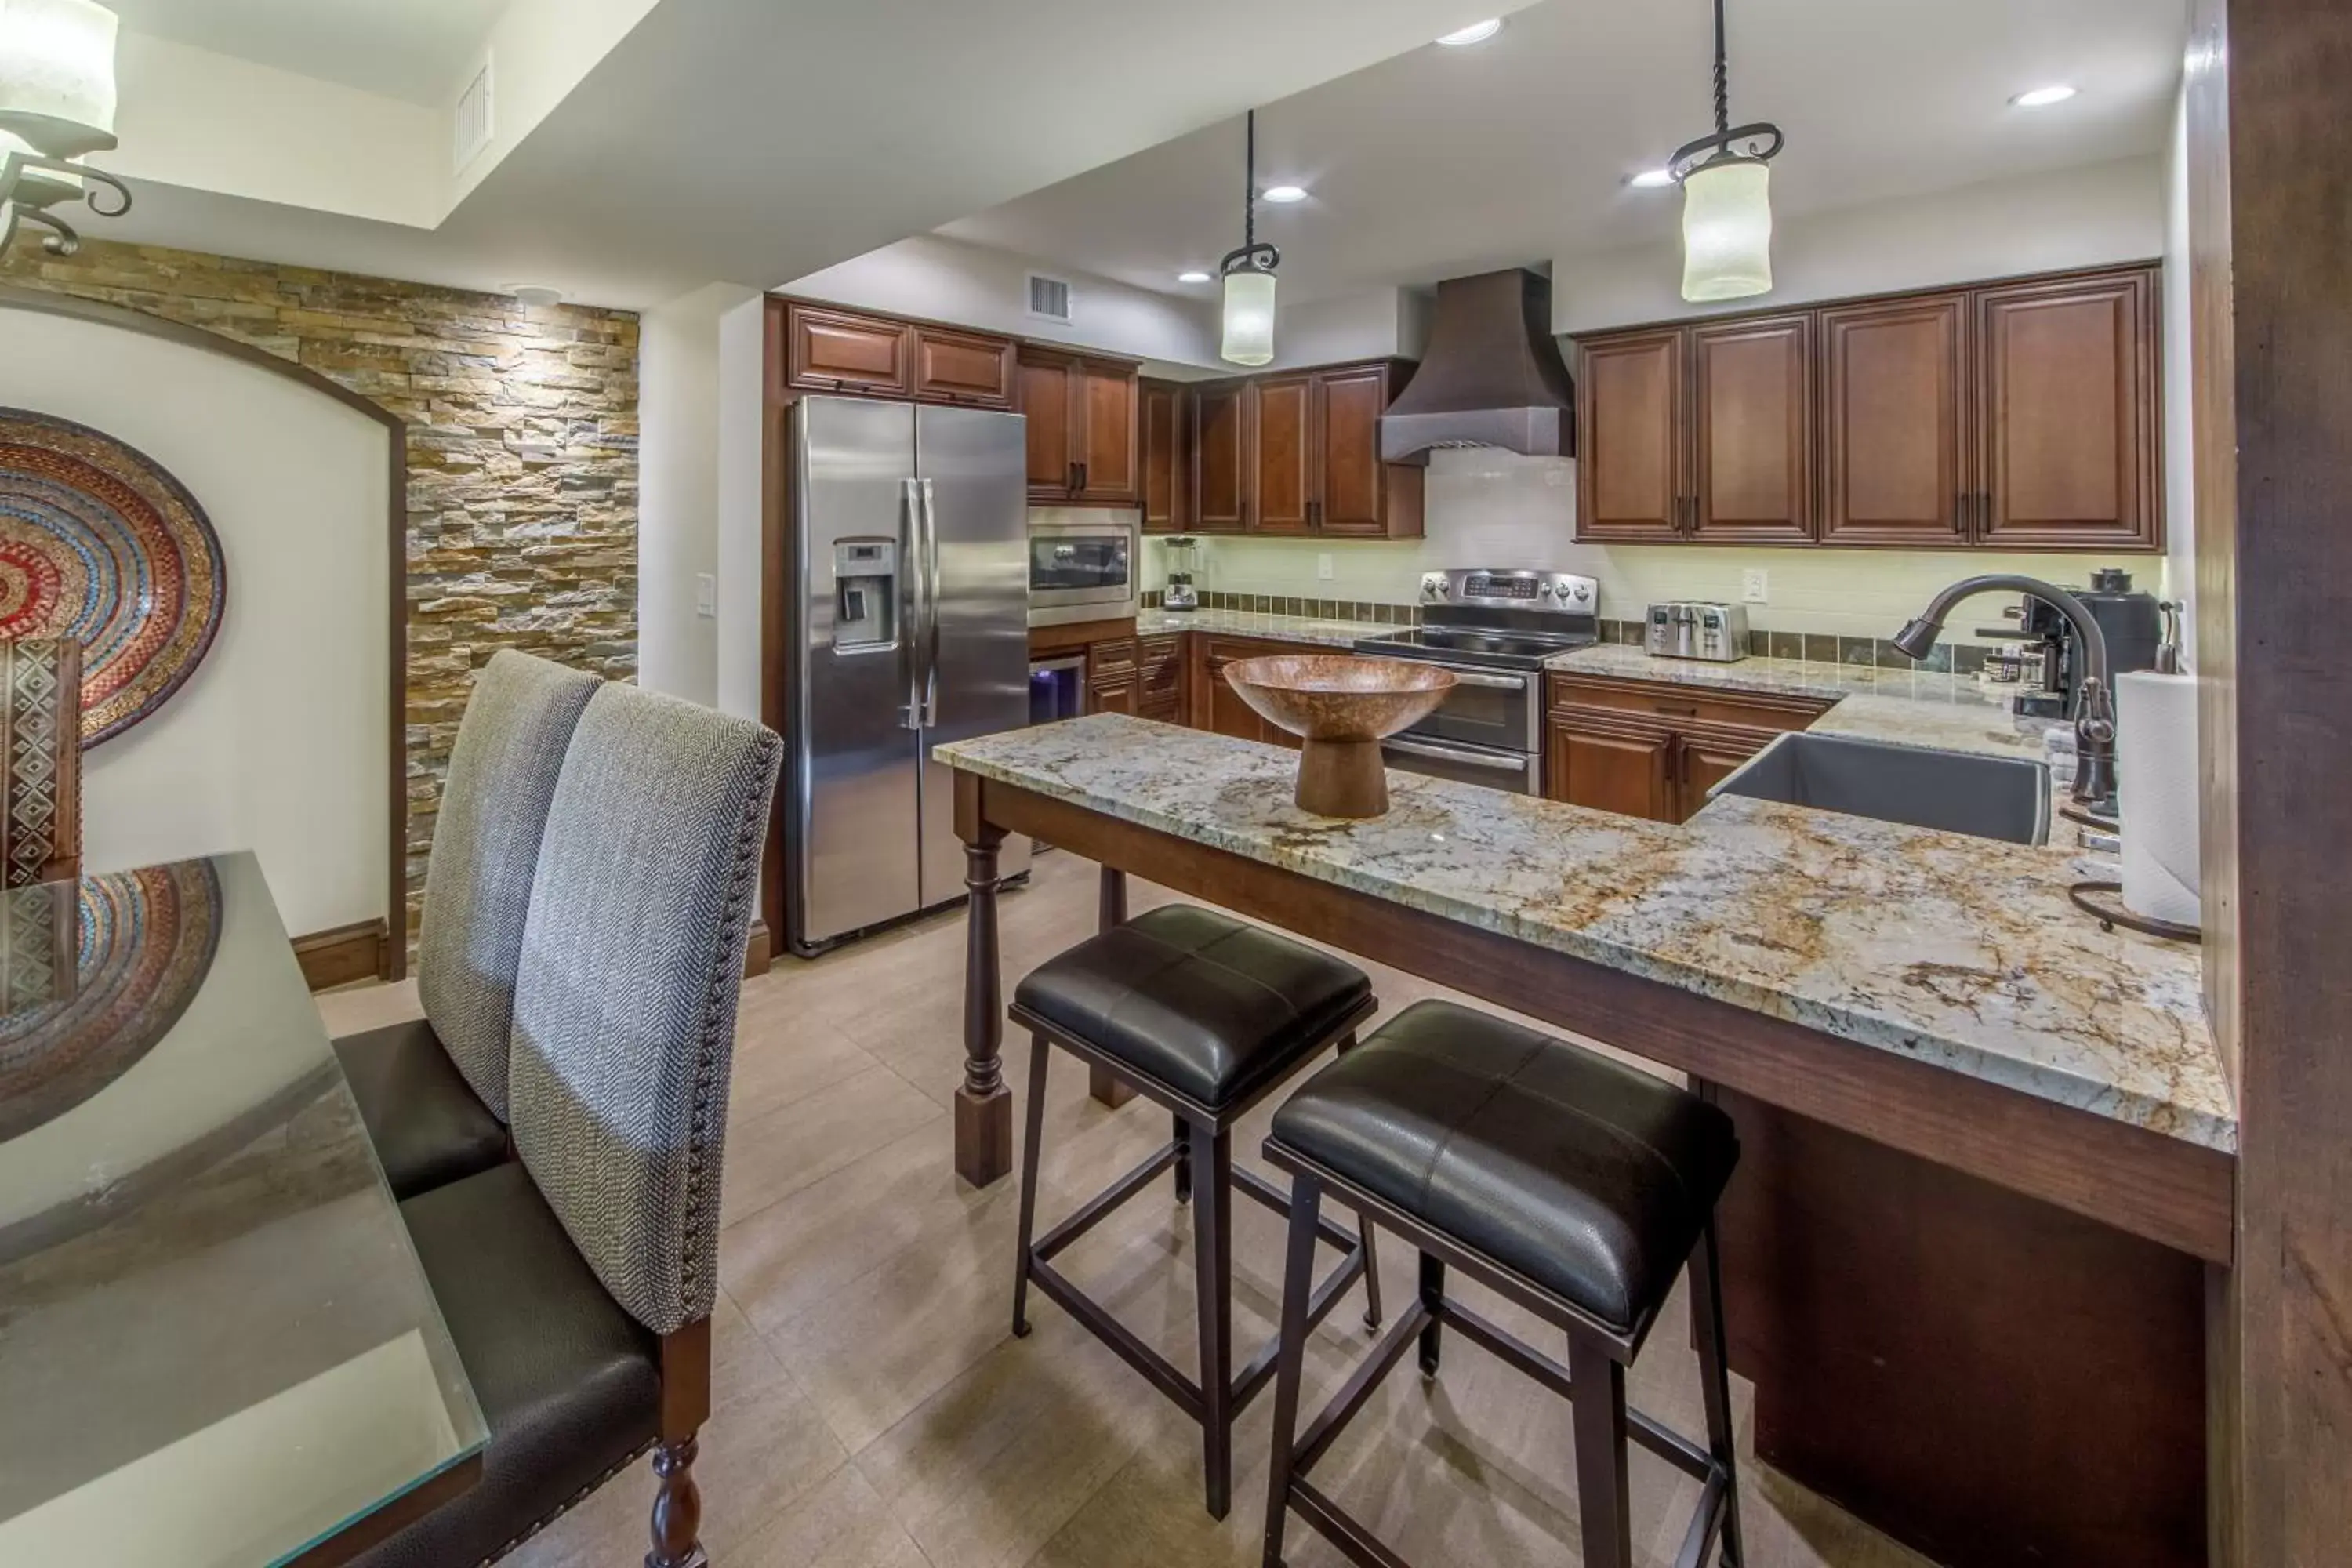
(677, 488)
(2180, 394)
(743, 407)
(279, 743)
(1372, 325)
(941, 280)
(2072, 218)
(214, 122)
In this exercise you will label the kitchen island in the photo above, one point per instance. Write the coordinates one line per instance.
(1988, 1149)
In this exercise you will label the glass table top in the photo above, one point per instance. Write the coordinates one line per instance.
(216, 1345)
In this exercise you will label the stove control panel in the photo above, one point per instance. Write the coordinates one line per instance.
(1513, 588)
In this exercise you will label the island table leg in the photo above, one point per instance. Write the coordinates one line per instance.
(983, 1106)
(1110, 909)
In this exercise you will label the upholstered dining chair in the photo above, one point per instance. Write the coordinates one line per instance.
(40, 727)
(578, 1282)
(433, 1090)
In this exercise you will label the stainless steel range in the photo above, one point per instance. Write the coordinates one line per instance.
(1493, 628)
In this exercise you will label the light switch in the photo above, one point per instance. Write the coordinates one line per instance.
(705, 595)
(1755, 586)
(1323, 566)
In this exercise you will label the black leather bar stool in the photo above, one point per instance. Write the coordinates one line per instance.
(1205, 1015)
(1568, 1184)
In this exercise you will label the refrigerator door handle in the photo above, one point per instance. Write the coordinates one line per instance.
(910, 506)
(929, 570)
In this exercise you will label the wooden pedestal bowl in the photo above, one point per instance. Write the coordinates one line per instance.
(1341, 708)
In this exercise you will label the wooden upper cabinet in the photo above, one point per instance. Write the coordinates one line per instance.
(1897, 465)
(1082, 434)
(969, 368)
(1283, 427)
(1751, 431)
(835, 350)
(1045, 387)
(2068, 447)
(1356, 493)
(1161, 430)
(1106, 448)
(1220, 455)
(1630, 448)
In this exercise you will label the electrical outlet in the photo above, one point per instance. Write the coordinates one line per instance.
(1323, 566)
(1755, 586)
(705, 595)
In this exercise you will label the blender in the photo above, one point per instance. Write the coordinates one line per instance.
(1183, 562)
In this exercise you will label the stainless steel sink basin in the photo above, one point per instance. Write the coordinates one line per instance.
(1956, 792)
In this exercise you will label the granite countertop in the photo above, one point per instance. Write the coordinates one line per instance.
(1960, 952)
(1247, 624)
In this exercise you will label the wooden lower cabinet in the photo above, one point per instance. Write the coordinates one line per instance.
(1652, 748)
(1113, 682)
(1160, 678)
(1216, 706)
(1610, 762)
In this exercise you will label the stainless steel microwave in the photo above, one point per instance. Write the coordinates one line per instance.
(1081, 571)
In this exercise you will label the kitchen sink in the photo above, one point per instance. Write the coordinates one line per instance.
(1956, 792)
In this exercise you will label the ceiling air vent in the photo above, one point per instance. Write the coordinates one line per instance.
(470, 128)
(1049, 298)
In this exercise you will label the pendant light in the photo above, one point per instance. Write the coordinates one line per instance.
(1727, 199)
(1249, 278)
(57, 103)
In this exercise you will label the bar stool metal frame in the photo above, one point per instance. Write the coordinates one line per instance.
(1201, 1154)
(1598, 1356)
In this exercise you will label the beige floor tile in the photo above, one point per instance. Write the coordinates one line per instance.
(774, 1156)
(841, 1524)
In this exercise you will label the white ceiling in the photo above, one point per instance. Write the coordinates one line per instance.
(757, 140)
(1444, 161)
(409, 50)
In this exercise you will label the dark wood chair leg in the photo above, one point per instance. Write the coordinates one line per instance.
(1040, 1054)
(1432, 1291)
(1706, 1308)
(1373, 1313)
(1183, 1161)
(1597, 1388)
(677, 1508)
(1298, 1286)
(1213, 1229)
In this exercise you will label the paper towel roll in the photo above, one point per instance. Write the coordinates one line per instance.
(2156, 785)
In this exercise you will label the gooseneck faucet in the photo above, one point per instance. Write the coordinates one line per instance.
(2095, 716)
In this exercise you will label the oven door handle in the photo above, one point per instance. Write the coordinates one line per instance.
(1492, 682)
(1453, 754)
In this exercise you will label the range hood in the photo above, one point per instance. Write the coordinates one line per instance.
(1492, 374)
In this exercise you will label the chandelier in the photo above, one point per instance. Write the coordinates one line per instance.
(56, 105)
(1727, 199)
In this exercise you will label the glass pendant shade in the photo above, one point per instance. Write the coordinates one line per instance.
(1727, 231)
(38, 187)
(1249, 316)
(56, 75)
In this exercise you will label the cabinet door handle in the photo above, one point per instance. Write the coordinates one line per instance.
(1683, 710)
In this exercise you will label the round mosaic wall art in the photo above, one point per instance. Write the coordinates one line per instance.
(98, 542)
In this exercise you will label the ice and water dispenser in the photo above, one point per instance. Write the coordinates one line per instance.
(866, 593)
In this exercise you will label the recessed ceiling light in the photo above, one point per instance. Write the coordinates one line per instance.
(2042, 97)
(1285, 194)
(1195, 276)
(1650, 179)
(1475, 33)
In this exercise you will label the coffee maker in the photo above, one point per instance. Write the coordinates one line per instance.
(2131, 621)
(1184, 557)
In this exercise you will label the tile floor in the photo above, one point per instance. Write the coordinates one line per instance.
(872, 1409)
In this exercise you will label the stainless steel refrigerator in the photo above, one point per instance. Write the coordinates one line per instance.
(910, 626)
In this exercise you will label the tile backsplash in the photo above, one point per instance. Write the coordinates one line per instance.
(1496, 508)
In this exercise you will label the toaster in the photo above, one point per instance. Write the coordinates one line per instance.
(1691, 628)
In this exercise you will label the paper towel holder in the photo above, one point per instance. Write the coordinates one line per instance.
(2111, 915)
